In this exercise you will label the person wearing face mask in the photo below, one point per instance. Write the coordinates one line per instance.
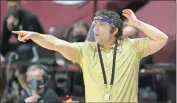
(17, 19)
(79, 32)
(37, 78)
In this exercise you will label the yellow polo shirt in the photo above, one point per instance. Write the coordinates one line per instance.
(125, 87)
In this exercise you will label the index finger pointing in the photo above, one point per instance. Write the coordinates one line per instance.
(17, 32)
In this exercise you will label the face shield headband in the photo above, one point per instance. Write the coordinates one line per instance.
(90, 35)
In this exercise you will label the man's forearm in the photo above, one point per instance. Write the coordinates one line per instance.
(44, 40)
(52, 43)
(150, 31)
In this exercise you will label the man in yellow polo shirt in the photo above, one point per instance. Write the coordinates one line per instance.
(110, 65)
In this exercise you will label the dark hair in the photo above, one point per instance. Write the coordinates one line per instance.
(117, 21)
(82, 24)
(44, 69)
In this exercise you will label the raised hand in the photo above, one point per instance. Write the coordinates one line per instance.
(131, 17)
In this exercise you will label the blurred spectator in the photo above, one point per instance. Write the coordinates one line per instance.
(79, 32)
(17, 19)
(37, 77)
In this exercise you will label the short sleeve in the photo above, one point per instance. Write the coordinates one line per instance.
(78, 47)
(141, 46)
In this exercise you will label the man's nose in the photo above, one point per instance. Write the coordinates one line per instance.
(97, 28)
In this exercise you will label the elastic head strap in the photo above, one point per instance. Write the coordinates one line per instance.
(105, 19)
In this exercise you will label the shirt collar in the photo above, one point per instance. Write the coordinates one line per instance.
(111, 48)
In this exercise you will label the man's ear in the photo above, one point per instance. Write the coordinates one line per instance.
(115, 31)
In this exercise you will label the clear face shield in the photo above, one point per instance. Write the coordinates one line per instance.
(90, 36)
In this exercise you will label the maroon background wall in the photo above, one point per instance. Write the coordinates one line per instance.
(161, 14)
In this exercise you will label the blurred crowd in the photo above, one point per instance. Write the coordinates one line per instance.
(58, 77)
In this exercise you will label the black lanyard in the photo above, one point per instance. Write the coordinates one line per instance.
(113, 65)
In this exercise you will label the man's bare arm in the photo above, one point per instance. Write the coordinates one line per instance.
(158, 39)
(49, 42)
